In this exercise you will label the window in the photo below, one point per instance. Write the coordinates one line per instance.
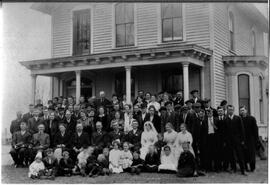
(253, 43)
(171, 21)
(261, 98)
(81, 32)
(265, 43)
(231, 30)
(243, 91)
(124, 24)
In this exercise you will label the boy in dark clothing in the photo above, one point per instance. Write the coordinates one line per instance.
(103, 161)
(159, 144)
(152, 160)
(66, 165)
(137, 163)
(186, 163)
(51, 164)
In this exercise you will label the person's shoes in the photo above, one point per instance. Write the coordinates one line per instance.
(243, 173)
(90, 174)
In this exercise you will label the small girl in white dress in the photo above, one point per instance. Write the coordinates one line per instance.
(168, 161)
(36, 166)
(114, 159)
(126, 157)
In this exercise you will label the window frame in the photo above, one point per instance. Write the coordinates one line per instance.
(261, 106)
(78, 8)
(249, 93)
(114, 26)
(231, 29)
(253, 42)
(161, 40)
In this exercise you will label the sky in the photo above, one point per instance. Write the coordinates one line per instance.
(26, 36)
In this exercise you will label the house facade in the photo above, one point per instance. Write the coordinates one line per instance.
(217, 48)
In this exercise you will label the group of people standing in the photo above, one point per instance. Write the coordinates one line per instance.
(156, 133)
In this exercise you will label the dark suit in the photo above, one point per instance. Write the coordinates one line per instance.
(103, 102)
(40, 141)
(105, 122)
(134, 139)
(51, 128)
(27, 116)
(178, 101)
(171, 117)
(235, 139)
(99, 140)
(15, 125)
(141, 120)
(181, 119)
(116, 135)
(33, 124)
(70, 125)
(222, 147)
(19, 150)
(156, 122)
(82, 141)
(65, 139)
(251, 139)
(215, 113)
(209, 144)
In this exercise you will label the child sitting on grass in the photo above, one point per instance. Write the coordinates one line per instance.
(103, 161)
(36, 167)
(92, 167)
(114, 159)
(82, 160)
(51, 164)
(186, 162)
(168, 161)
(126, 157)
(66, 165)
(151, 160)
(137, 163)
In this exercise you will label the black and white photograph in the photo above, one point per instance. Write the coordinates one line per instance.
(134, 92)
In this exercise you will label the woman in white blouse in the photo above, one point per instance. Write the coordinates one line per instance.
(183, 137)
(170, 136)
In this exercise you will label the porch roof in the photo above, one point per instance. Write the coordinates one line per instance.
(242, 61)
(122, 57)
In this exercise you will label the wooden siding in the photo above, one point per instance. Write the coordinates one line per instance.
(197, 24)
(61, 32)
(220, 48)
(146, 21)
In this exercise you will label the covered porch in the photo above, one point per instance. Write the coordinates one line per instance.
(164, 68)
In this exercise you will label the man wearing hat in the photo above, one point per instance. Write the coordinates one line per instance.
(207, 107)
(193, 126)
(195, 96)
(188, 103)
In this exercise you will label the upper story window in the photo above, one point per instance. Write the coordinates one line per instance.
(243, 91)
(124, 24)
(81, 32)
(231, 30)
(253, 42)
(171, 21)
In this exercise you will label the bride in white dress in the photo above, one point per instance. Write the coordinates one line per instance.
(149, 137)
(183, 137)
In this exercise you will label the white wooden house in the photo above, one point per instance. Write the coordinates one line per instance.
(217, 48)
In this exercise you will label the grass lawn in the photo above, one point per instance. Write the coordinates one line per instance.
(13, 175)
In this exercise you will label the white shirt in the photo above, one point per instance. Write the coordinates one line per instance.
(211, 126)
(231, 117)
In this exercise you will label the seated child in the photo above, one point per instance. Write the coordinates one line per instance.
(137, 163)
(151, 160)
(92, 166)
(168, 161)
(66, 165)
(36, 167)
(51, 164)
(82, 160)
(126, 157)
(114, 159)
(159, 144)
(103, 161)
(186, 162)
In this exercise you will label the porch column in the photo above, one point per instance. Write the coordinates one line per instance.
(78, 86)
(186, 80)
(202, 83)
(33, 92)
(60, 87)
(128, 83)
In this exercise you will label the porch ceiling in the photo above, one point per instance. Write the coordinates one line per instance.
(120, 58)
